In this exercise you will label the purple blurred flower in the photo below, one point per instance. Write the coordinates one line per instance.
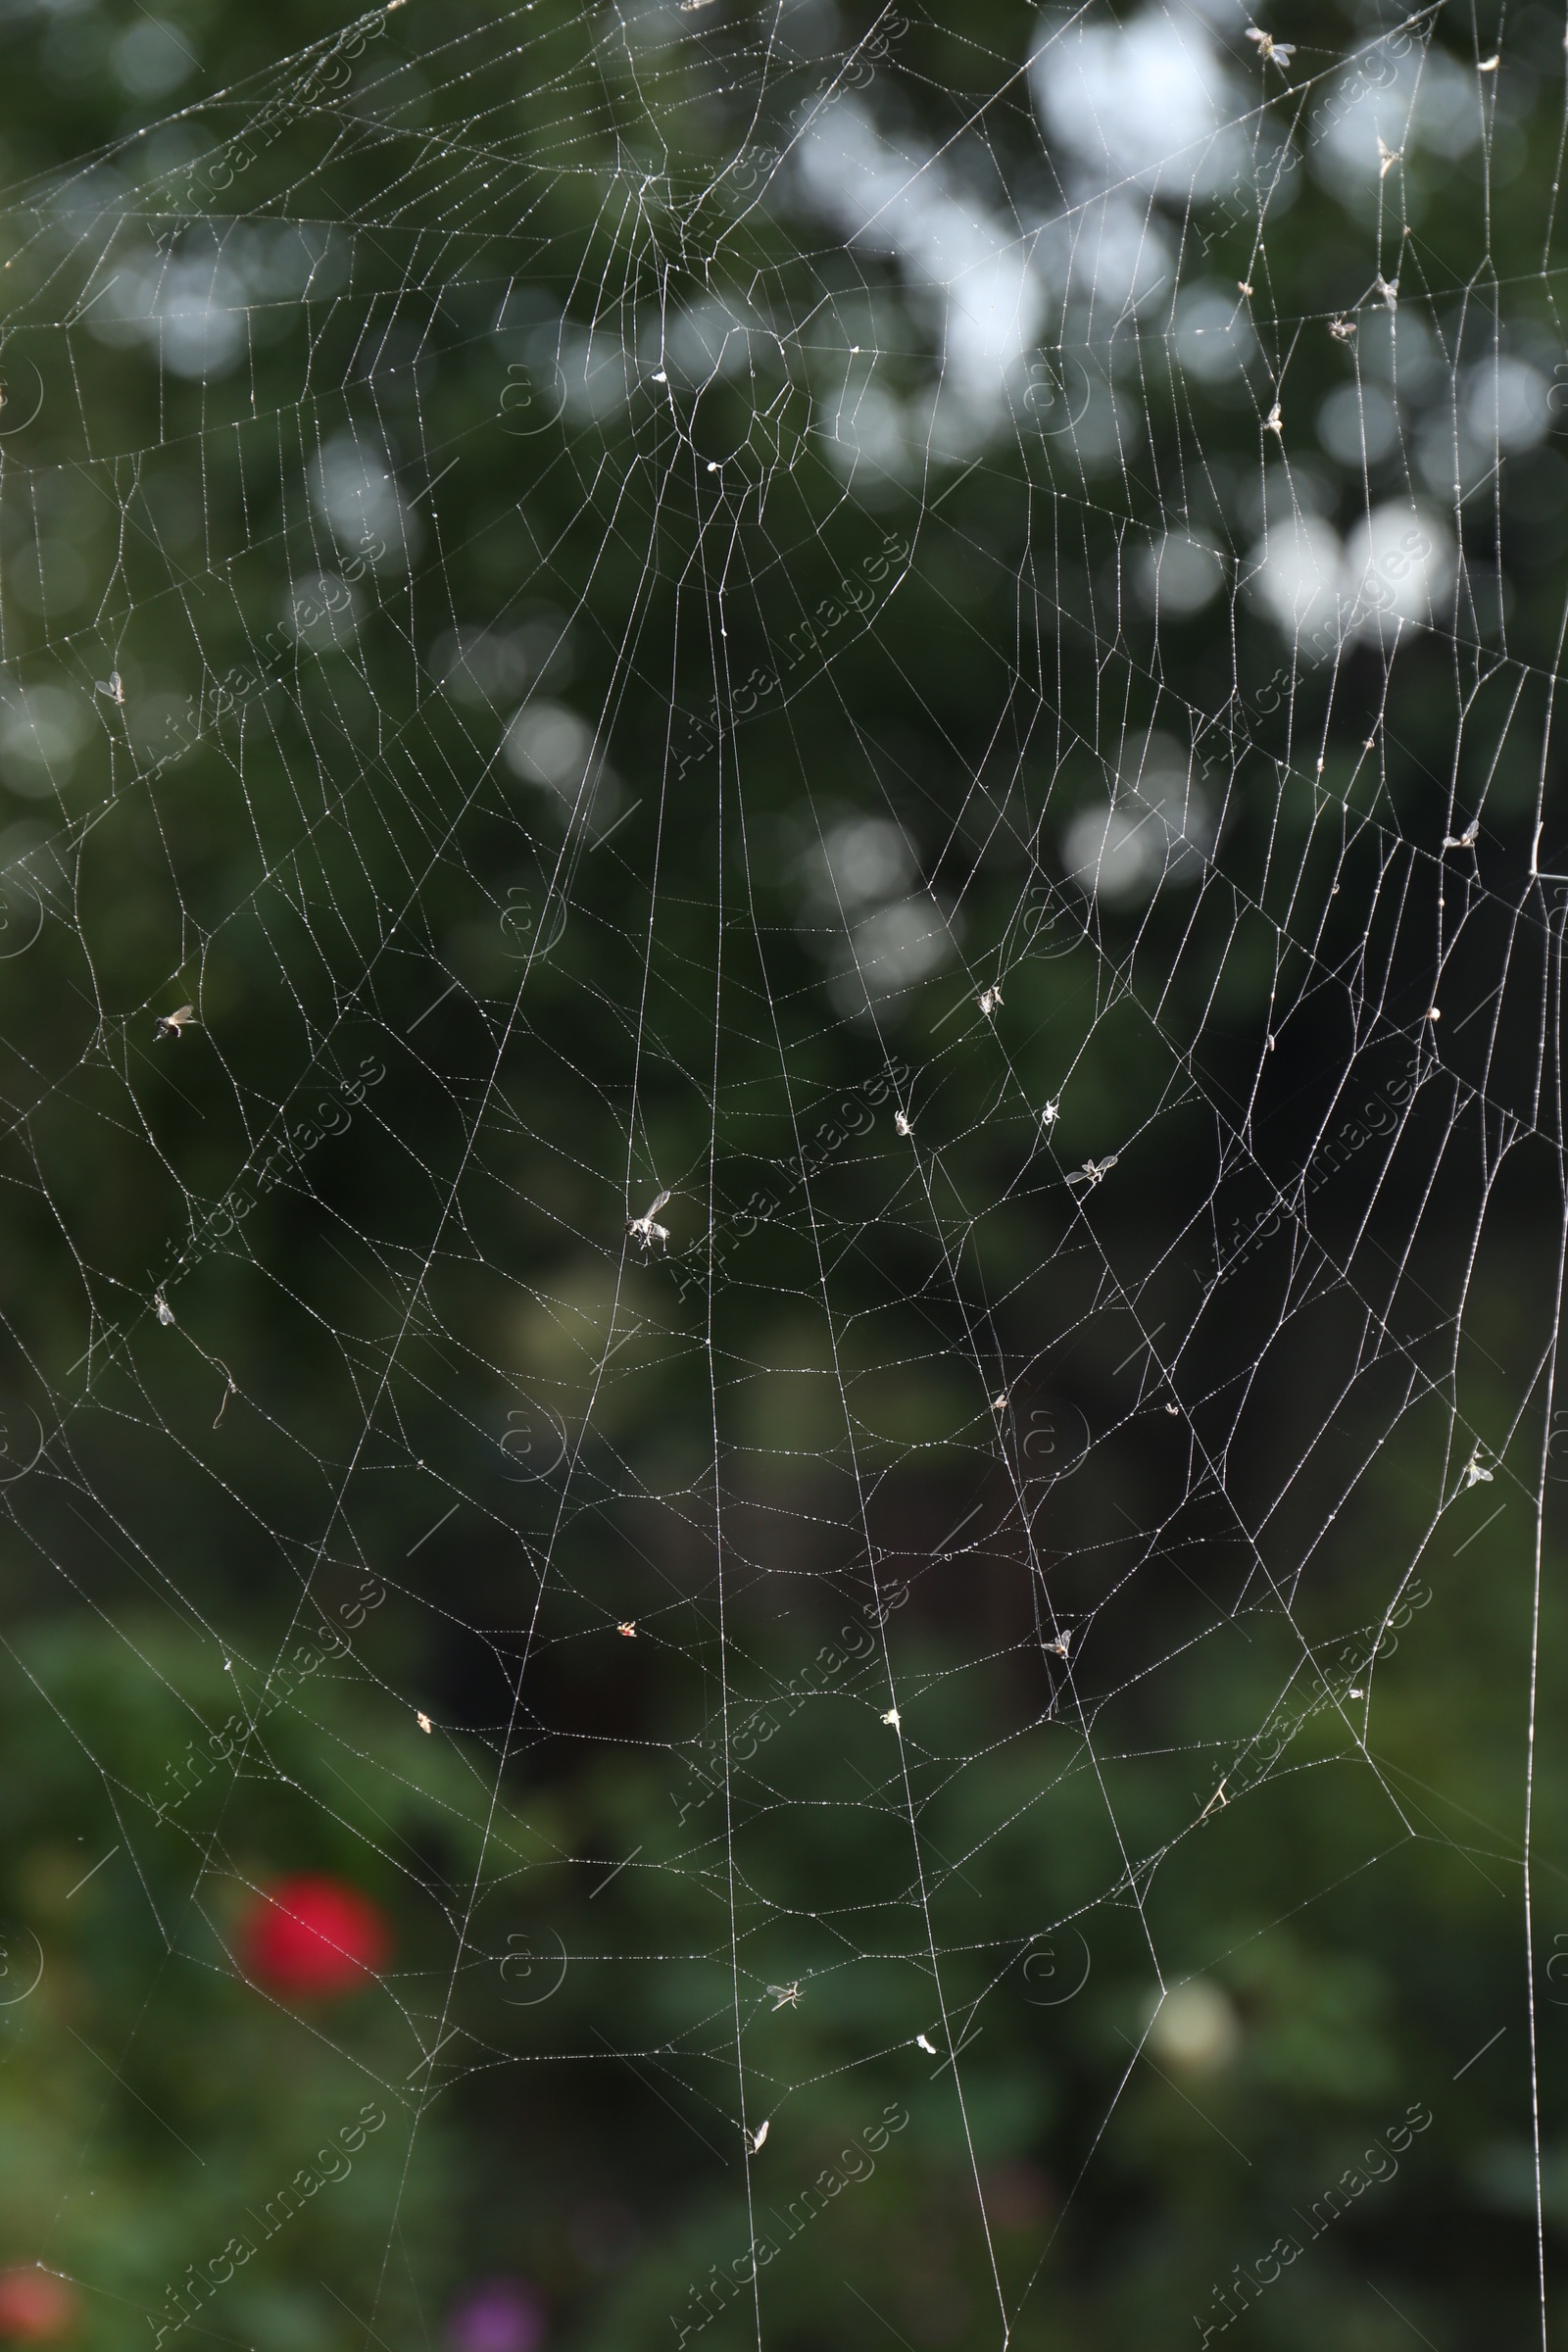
(504, 2315)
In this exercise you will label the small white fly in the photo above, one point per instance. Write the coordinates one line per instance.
(785, 1996)
(755, 2139)
(1465, 840)
(166, 1313)
(110, 687)
(424, 1723)
(1474, 1475)
(644, 1230)
(1271, 51)
(1062, 1644)
(1342, 330)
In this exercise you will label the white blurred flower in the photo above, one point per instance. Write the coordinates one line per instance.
(280, 264)
(1195, 2027)
(1398, 570)
(891, 949)
(492, 665)
(1213, 335)
(867, 427)
(857, 861)
(1179, 573)
(1504, 404)
(1400, 348)
(354, 487)
(597, 372)
(1114, 853)
(1393, 573)
(1498, 406)
(859, 916)
(701, 340)
(200, 330)
(1381, 105)
(152, 58)
(1104, 256)
(549, 745)
(1106, 429)
(973, 263)
(1297, 568)
(1150, 101)
(1158, 826)
(189, 310)
(1358, 423)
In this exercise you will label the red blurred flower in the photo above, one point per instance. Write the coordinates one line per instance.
(35, 2307)
(313, 1936)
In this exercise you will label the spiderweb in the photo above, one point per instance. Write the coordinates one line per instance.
(782, 922)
